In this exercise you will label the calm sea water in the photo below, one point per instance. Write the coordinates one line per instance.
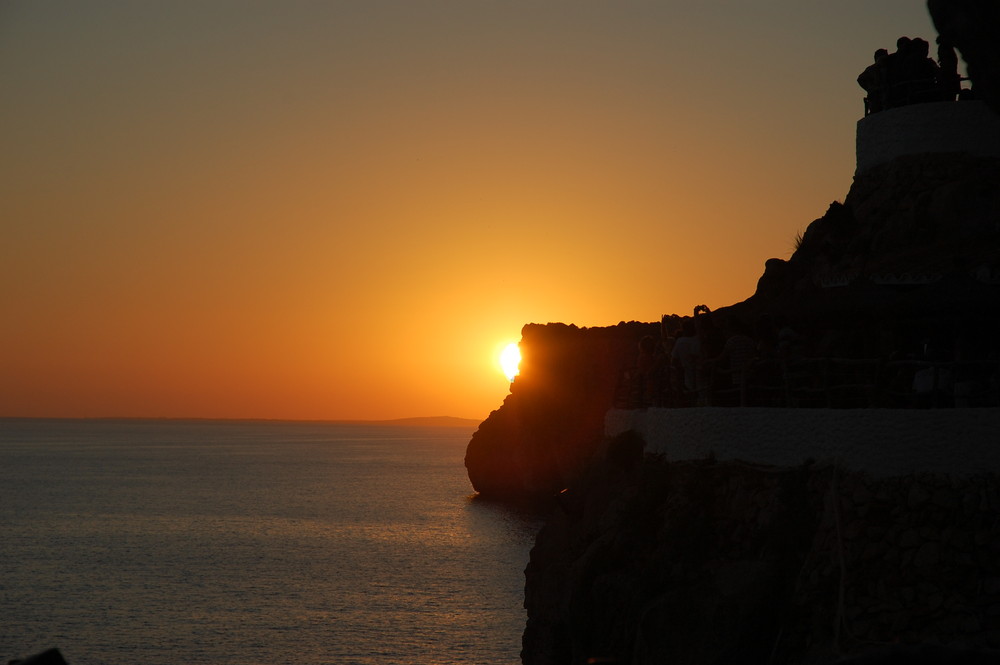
(208, 542)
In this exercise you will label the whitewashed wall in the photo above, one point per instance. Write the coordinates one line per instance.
(935, 127)
(883, 442)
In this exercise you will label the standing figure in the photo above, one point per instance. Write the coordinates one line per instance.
(921, 72)
(686, 358)
(949, 82)
(897, 87)
(872, 80)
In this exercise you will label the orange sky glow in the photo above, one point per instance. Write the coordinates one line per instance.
(345, 210)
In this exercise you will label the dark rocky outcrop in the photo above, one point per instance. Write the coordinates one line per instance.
(698, 561)
(550, 424)
(918, 237)
(47, 657)
(702, 562)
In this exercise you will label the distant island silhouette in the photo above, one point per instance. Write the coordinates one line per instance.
(419, 421)
(428, 421)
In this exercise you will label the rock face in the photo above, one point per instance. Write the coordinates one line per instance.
(552, 421)
(699, 561)
(718, 562)
(910, 258)
(702, 562)
(919, 236)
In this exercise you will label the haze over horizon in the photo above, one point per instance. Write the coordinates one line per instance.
(344, 210)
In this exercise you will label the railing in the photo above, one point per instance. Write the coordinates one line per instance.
(818, 383)
(913, 91)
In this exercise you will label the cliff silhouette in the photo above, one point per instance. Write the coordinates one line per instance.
(551, 424)
(651, 558)
(914, 250)
(906, 267)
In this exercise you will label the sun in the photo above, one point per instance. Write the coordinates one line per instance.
(510, 358)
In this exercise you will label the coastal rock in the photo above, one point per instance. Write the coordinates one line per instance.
(919, 236)
(552, 421)
(705, 560)
(47, 657)
(672, 562)
(913, 254)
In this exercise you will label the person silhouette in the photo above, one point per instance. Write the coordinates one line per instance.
(896, 83)
(921, 72)
(647, 367)
(738, 351)
(949, 82)
(686, 357)
(872, 81)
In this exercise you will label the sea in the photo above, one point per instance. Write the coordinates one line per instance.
(184, 542)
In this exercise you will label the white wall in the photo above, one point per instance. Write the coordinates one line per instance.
(883, 442)
(935, 127)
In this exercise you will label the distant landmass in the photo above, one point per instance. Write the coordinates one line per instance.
(429, 421)
(420, 421)
(426, 421)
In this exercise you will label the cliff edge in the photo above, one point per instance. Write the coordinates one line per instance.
(911, 257)
(698, 548)
(552, 422)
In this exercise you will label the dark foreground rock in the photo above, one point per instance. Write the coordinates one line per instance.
(702, 562)
(552, 421)
(917, 237)
(47, 657)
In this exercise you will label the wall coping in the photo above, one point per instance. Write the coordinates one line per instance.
(881, 442)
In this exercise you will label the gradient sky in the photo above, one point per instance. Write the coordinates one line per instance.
(344, 209)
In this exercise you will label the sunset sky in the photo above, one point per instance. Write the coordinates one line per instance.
(345, 209)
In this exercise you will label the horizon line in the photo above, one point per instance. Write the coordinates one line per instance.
(428, 421)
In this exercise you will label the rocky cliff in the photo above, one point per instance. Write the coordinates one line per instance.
(919, 236)
(552, 422)
(727, 562)
(653, 559)
(650, 560)
(697, 561)
(912, 254)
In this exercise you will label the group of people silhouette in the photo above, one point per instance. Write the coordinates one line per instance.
(720, 359)
(674, 371)
(910, 76)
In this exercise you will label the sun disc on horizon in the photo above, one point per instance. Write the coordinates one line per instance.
(510, 358)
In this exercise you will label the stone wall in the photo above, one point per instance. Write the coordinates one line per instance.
(880, 442)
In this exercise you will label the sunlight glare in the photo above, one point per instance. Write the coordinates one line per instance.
(510, 358)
